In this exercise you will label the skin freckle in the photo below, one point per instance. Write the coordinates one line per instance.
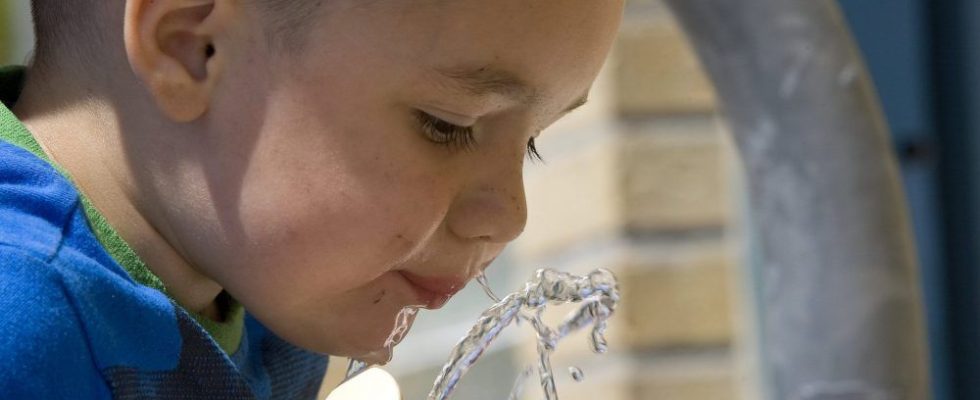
(401, 241)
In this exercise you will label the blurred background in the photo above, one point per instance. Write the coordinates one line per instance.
(645, 182)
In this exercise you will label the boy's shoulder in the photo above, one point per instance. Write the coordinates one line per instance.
(76, 325)
(35, 202)
(41, 217)
(67, 312)
(66, 328)
(43, 340)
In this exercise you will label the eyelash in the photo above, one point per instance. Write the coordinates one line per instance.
(445, 133)
(459, 137)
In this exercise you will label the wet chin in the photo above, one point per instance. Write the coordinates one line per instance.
(378, 357)
(373, 352)
(377, 346)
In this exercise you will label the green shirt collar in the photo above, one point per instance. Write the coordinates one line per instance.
(227, 334)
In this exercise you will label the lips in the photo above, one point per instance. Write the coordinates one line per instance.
(434, 292)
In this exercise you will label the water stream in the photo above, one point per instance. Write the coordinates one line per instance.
(598, 294)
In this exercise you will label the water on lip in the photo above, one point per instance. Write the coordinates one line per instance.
(597, 292)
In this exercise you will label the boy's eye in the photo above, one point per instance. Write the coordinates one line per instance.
(445, 133)
(459, 137)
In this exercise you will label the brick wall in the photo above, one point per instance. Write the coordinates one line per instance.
(642, 183)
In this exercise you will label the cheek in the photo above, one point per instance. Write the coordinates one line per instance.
(321, 275)
(335, 194)
(320, 242)
(336, 201)
(350, 229)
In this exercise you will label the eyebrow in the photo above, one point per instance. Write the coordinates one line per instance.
(486, 81)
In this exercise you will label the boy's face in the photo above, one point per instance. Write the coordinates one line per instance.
(334, 178)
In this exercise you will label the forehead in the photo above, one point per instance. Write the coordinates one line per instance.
(553, 48)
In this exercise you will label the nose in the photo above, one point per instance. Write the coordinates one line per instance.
(492, 207)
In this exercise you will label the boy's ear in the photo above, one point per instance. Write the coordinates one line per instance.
(171, 46)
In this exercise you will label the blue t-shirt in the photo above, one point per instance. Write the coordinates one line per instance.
(74, 324)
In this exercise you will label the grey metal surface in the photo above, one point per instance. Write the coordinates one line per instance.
(840, 307)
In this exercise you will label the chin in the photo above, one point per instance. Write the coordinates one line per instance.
(380, 343)
(371, 344)
(374, 354)
(356, 327)
(378, 357)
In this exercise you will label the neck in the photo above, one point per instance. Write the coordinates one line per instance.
(79, 130)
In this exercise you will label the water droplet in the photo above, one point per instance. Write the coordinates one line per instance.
(481, 278)
(577, 374)
(355, 367)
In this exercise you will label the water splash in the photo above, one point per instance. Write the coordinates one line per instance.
(576, 373)
(598, 291)
(403, 323)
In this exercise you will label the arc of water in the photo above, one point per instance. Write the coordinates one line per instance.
(598, 291)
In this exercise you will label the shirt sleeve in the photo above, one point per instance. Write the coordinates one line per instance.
(44, 351)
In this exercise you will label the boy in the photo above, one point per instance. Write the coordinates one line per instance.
(167, 165)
